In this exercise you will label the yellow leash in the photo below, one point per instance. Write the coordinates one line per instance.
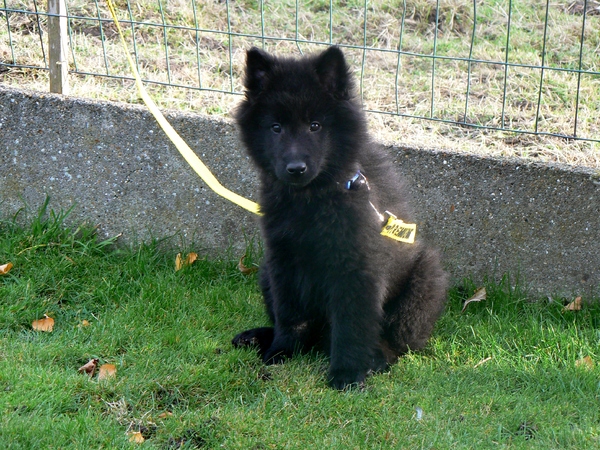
(183, 148)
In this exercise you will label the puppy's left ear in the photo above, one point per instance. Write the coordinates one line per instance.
(334, 73)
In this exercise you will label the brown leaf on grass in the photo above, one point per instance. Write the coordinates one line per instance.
(586, 362)
(89, 368)
(5, 268)
(480, 294)
(107, 371)
(85, 323)
(190, 258)
(575, 305)
(46, 324)
(180, 263)
(245, 269)
(136, 437)
(165, 415)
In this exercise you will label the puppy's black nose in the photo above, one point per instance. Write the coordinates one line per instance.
(296, 168)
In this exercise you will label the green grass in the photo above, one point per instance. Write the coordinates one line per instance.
(168, 333)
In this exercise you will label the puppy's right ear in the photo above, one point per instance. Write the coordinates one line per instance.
(258, 66)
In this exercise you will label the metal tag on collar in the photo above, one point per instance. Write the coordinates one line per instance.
(357, 181)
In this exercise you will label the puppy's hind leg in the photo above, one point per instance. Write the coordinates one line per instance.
(259, 338)
(411, 315)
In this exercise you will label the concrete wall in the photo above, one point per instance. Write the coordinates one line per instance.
(114, 163)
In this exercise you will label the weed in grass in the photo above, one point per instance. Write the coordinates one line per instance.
(502, 374)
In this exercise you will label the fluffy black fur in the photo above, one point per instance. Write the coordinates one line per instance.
(329, 278)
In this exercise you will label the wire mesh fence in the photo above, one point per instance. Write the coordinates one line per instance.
(513, 65)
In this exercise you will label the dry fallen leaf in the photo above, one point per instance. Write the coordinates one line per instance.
(586, 362)
(5, 268)
(89, 368)
(85, 323)
(575, 305)
(165, 415)
(180, 263)
(107, 371)
(244, 269)
(136, 436)
(479, 295)
(45, 324)
(191, 257)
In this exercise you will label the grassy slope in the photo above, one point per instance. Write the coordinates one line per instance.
(168, 334)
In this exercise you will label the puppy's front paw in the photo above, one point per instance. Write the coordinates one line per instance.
(275, 356)
(344, 379)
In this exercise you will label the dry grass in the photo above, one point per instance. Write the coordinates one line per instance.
(213, 60)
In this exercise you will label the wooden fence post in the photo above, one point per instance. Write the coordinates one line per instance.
(58, 43)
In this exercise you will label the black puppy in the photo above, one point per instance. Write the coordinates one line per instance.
(329, 277)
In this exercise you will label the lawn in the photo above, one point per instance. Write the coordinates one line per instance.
(508, 372)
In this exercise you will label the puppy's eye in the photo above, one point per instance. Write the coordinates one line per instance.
(315, 126)
(276, 128)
